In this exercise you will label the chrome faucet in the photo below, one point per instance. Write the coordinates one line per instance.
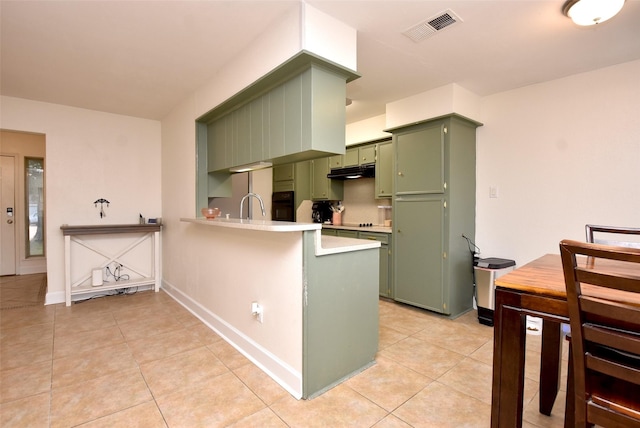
(255, 195)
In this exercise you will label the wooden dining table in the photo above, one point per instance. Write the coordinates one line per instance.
(536, 289)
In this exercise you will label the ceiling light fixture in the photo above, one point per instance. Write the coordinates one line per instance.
(591, 12)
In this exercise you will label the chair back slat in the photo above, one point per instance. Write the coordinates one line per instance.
(613, 232)
(614, 314)
(605, 330)
(610, 368)
(625, 283)
(601, 415)
(612, 338)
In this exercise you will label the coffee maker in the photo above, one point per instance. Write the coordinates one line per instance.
(321, 212)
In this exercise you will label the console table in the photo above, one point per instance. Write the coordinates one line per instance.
(80, 235)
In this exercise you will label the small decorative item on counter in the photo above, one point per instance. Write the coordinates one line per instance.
(210, 213)
(384, 215)
(337, 214)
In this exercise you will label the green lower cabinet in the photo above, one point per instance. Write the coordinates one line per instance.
(339, 346)
(385, 273)
(347, 233)
(386, 279)
(419, 259)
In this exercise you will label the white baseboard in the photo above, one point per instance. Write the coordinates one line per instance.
(55, 297)
(279, 371)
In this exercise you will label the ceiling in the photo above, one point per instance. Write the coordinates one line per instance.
(141, 58)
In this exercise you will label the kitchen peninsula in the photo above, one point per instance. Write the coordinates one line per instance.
(302, 306)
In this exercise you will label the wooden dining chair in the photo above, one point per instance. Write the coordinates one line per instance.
(605, 344)
(613, 235)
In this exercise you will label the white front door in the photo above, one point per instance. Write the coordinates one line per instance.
(7, 216)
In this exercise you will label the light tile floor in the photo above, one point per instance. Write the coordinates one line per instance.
(143, 360)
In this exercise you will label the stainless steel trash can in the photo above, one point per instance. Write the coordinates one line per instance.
(486, 272)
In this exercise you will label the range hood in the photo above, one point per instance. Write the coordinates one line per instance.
(350, 172)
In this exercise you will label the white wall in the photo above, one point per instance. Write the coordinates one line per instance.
(562, 154)
(366, 130)
(89, 155)
(192, 263)
(440, 101)
(278, 44)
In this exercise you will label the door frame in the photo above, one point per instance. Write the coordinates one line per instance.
(15, 247)
(21, 145)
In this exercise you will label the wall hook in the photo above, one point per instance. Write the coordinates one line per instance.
(101, 201)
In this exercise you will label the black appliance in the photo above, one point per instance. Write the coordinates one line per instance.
(282, 206)
(349, 172)
(321, 212)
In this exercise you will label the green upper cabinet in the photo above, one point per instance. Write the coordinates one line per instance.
(384, 170)
(296, 114)
(293, 114)
(323, 188)
(283, 178)
(360, 155)
(367, 154)
(420, 160)
(351, 157)
(336, 161)
(284, 172)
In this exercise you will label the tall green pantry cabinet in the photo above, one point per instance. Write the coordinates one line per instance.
(433, 206)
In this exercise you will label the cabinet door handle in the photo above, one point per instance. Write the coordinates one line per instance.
(400, 173)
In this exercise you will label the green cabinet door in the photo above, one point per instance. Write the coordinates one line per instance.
(420, 160)
(367, 154)
(385, 280)
(351, 157)
(283, 172)
(384, 170)
(336, 161)
(418, 243)
(433, 207)
(360, 155)
(323, 188)
(347, 233)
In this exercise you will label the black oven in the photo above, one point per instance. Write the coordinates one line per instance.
(282, 206)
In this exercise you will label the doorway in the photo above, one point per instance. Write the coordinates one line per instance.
(7, 205)
(22, 203)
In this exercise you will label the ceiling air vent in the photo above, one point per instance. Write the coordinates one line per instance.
(432, 25)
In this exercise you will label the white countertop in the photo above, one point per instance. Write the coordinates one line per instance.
(263, 225)
(324, 244)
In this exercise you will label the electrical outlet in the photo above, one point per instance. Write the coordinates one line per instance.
(257, 311)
